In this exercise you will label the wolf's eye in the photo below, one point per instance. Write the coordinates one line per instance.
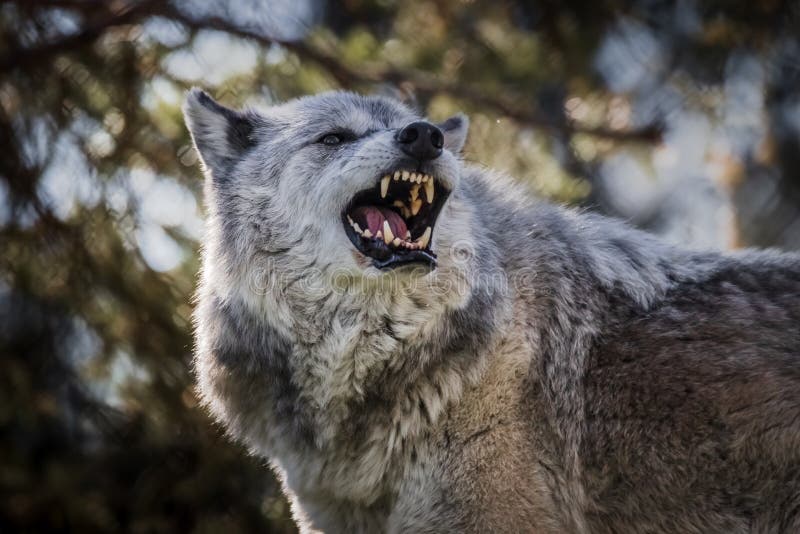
(337, 137)
(331, 139)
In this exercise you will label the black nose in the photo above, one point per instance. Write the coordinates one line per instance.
(421, 140)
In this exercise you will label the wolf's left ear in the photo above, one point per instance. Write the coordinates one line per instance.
(455, 132)
(221, 135)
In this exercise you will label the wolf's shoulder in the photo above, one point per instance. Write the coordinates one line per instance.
(741, 314)
(713, 367)
(745, 291)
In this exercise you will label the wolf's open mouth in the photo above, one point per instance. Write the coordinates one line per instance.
(393, 222)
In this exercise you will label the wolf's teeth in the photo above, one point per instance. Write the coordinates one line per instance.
(385, 185)
(396, 242)
(408, 235)
(354, 224)
(425, 178)
(397, 175)
(414, 192)
(429, 191)
(366, 233)
(388, 236)
(379, 234)
(425, 238)
(405, 176)
(416, 206)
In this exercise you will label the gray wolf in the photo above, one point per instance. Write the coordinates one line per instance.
(417, 345)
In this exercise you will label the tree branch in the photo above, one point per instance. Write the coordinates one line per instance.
(349, 77)
(30, 57)
(345, 75)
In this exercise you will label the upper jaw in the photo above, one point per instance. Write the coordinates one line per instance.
(393, 221)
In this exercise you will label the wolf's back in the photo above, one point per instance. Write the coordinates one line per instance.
(693, 408)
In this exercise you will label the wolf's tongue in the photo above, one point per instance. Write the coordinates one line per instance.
(372, 217)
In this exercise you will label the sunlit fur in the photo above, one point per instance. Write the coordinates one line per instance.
(557, 372)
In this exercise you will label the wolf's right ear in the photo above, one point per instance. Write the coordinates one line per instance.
(221, 135)
(455, 132)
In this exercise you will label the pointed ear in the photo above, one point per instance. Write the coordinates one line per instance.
(455, 132)
(221, 135)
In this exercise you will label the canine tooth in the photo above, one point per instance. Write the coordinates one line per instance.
(396, 242)
(415, 206)
(385, 185)
(429, 190)
(405, 176)
(396, 175)
(366, 233)
(425, 178)
(388, 236)
(379, 234)
(414, 192)
(425, 238)
(408, 235)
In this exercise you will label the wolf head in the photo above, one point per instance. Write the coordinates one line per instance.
(306, 306)
(300, 201)
(363, 178)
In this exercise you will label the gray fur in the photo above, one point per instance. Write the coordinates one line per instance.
(558, 371)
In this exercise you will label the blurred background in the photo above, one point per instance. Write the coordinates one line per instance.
(680, 117)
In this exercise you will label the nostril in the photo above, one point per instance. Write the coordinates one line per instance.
(409, 134)
(421, 140)
(437, 139)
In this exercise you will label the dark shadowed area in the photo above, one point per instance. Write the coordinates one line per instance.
(680, 117)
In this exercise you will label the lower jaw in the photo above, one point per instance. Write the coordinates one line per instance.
(385, 259)
(423, 258)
